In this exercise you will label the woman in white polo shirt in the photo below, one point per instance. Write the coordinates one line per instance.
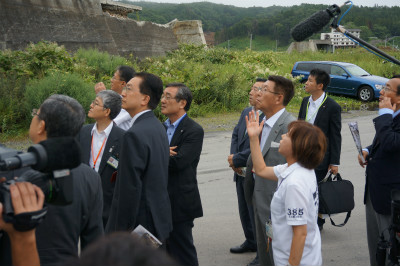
(294, 206)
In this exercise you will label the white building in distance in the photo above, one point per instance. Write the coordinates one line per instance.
(338, 40)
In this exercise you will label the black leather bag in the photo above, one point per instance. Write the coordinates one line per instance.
(336, 196)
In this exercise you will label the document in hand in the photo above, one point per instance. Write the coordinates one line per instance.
(356, 136)
(148, 237)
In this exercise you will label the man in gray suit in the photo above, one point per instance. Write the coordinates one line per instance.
(274, 95)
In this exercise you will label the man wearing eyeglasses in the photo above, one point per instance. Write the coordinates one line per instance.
(58, 236)
(121, 77)
(141, 194)
(240, 151)
(383, 167)
(185, 138)
(323, 112)
(272, 99)
(100, 143)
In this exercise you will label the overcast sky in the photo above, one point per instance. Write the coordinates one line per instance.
(266, 3)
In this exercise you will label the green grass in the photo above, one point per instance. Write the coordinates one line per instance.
(259, 43)
(220, 79)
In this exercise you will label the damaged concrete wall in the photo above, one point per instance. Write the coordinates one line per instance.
(80, 23)
(189, 31)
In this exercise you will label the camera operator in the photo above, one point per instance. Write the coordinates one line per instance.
(25, 198)
(58, 235)
(383, 168)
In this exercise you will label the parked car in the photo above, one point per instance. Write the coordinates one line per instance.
(346, 78)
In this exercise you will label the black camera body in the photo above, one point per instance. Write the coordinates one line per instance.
(47, 165)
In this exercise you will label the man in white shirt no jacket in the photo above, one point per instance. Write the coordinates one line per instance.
(121, 77)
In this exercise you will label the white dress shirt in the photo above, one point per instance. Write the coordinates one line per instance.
(268, 124)
(123, 120)
(98, 138)
(313, 108)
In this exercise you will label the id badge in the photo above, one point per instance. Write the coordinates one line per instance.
(113, 162)
(268, 229)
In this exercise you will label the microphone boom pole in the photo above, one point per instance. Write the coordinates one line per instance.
(370, 46)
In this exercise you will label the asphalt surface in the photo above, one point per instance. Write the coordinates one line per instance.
(220, 227)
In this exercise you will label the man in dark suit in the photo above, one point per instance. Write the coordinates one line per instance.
(59, 234)
(240, 151)
(100, 143)
(383, 168)
(325, 113)
(141, 194)
(185, 138)
(272, 99)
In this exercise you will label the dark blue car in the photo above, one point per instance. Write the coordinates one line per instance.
(346, 78)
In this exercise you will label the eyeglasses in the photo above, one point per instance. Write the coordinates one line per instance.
(167, 97)
(255, 88)
(96, 103)
(265, 89)
(114, 78)
(34, 112)
(386, 89)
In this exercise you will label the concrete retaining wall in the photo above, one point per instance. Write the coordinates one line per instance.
(81, 23)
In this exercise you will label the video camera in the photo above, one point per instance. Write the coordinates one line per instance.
(51, 161)
(391, 248)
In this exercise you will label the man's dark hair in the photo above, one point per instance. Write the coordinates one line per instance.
(321, 77)
(121, 249)
(284, 86)
(261, 79)
(151, 85)
(398, 87)
(63, 116)
(126, 73)
(111, 100)
(183, 93)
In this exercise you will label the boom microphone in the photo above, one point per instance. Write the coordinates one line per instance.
(47, 156)
(313, 24)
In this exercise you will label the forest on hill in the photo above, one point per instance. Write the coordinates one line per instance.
(275, 22)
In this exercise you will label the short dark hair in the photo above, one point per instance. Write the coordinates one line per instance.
(308, 143)
(183, 93)
(398, 87)
(321, 77)
(121, 249)
(261, 79)
(111, 100)
(63, 116)
(152, 86)
(284, 86)
(126, 73)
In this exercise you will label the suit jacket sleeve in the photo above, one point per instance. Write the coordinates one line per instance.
(94, 226)
(335, 138)
(189, 150)
(128, 188)
(388, 137)
(303, 108)
(240, 158)
(234, 140)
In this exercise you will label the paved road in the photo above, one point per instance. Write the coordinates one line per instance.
(220, 227)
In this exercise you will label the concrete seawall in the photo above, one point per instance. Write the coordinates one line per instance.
(82, 23)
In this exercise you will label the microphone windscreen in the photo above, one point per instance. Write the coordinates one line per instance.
(62, 153)
(311, 25)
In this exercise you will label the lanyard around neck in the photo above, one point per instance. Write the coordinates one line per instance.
(316, 111)
(98, 154)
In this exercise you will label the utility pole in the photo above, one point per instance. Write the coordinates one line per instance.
(251, 37)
